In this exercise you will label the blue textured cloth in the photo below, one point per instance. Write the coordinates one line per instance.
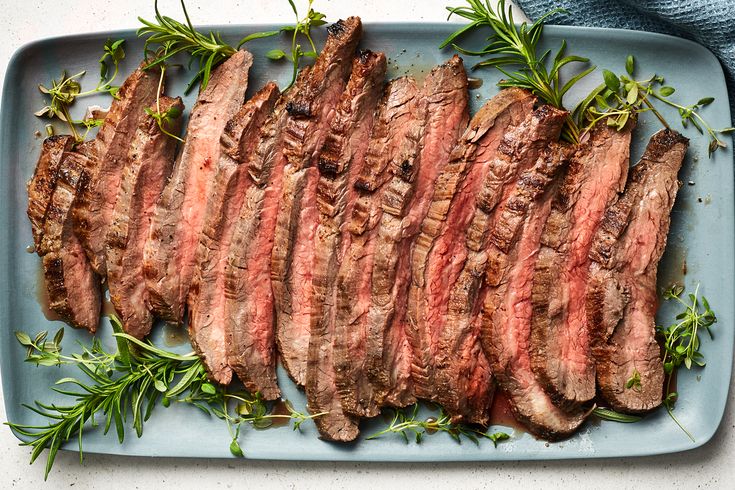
(708, 22)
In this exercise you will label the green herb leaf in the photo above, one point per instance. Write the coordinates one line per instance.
(613, 416)
(275, 54)
(666, 91)
(630, 64)
(236, 450)
(611, 80)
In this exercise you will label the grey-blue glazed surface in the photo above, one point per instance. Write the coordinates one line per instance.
(701, 240)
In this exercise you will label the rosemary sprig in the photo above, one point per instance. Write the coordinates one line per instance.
(133, 380)
(513, 45)
(210, 49)
(681, 341)
(613, 416)
(622, 96)
(64, 91)
(406, 421)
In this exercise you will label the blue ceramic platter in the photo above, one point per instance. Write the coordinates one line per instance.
(701, 242)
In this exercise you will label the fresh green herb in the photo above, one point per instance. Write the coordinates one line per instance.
(681, 341)
(620, 97)
(303, 26)
(166, 118)
(64, 91)
(406, 421)
(133, 381)
(210, 49)
(512, 45)
(613, 416)
(634, 382)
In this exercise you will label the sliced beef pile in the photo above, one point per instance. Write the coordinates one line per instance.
(441, 116)
(178, 219)
(560, 344)
(310, 113)
(42, 184)
(506, 312)
(621, 294)
(208, 327)
(149, 163)
(249, 310)
(463, 383)
(341, 160)
(73, 286)
(94, 206)
(353, 283)
(439, 250)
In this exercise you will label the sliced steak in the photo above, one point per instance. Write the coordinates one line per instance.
(353, 285)
(506, 312)
(309, 117)
(170, 253)
(150, 159)
(248, 294)
(223, 346)
(442, 116)
(437, 256)
(341, 160)
(94, 206)
(42, 184)
(621, 293)
(560, 348)
(463, 383)
(73, 287)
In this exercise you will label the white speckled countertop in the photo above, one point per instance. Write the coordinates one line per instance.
(710, 466)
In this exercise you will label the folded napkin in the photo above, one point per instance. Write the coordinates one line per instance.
(708, 22)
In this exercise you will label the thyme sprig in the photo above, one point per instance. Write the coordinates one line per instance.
(67, 89)
(130, 382)
(681, 340)
(406, 421)
(622, 96)
(302, 27)
(514, 45)
(164, 119)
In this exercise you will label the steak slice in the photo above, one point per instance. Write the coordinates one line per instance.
(621, 293)
(305, 129)
(506, 312)
(73, 287)
(463, 382)
(353, 284)
(442, 116)
(42, 184)
(223, 346)
(341, 160)
(433, 266)
(248, 293)
(150, 159)
(170, 254)
(96, 201)
(560, 348)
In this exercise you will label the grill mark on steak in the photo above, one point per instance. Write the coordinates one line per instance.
(463, 382)
(310, 115)
(170, 253)
(224, 346)
(41, 186)
(442, 115)
(150, 159)
(248, 292)
(353, 287)
(506, 312)
(341, 159)
(621, 292)
(95, 204)
(73, 287)
(560, 350)
(432, 266)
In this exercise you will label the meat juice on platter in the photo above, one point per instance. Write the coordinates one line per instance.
(395, 250)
